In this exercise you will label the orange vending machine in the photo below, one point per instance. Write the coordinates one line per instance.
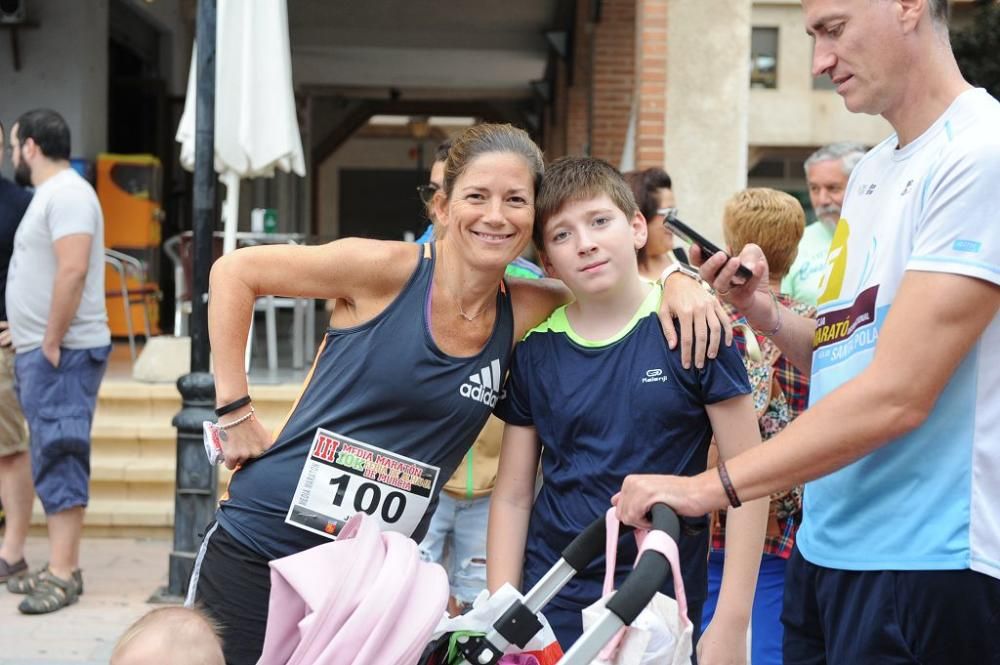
(128, 187)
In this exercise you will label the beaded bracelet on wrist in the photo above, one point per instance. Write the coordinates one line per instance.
(777, 314)
(238, 421)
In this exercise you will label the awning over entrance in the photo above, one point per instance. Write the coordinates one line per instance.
(423, 47)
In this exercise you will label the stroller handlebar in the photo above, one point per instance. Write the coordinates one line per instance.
(516, 626)
(588, 545)
(650, 573)
(666, 520)
(591, 542)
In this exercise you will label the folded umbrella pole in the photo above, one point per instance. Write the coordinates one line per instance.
(256, 123)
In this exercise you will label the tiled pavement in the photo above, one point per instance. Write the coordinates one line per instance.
(119, 576)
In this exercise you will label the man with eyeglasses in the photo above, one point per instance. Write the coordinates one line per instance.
(827, 171)
(16, 493)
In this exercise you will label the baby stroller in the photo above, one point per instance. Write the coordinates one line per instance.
(368, 598)
(519, 623)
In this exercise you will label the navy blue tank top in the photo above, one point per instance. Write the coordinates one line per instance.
(384, 383)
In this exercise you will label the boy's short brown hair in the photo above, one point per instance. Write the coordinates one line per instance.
(571, 179)
(766, 217)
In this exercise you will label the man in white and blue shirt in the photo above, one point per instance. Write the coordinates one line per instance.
(898, 557)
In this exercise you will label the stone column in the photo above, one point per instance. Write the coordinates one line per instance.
(708, 93)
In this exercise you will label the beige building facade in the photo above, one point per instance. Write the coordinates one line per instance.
(791, 113)
(718, 92)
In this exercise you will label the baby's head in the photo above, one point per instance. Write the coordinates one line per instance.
(768, 218)
(170, 636)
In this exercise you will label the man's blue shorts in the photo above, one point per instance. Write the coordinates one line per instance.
(889, 617)
(59, 404)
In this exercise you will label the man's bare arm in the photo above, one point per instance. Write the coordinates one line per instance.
(933, 323)
(795, 333)
(72, 261)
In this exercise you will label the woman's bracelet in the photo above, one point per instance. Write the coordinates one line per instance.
(727, 485)
(240, 420)
(232, 406)
(777, 313)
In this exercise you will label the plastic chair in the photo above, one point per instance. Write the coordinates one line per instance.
(303, 312)
(178, 250)
(182, 302)
(126, 266)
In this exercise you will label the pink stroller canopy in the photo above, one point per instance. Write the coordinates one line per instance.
(365, 598)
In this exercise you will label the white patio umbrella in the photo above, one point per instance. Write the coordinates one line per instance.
(256, 128)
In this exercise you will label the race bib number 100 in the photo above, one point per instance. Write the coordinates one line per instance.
(343, 476)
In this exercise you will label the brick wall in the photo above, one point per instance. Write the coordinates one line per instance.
(577, 90)
(613, 77)
(627, 45)
(651, 72)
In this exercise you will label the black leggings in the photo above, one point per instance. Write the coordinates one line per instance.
(233, 586)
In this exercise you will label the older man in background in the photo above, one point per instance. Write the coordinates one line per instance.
(827, 171)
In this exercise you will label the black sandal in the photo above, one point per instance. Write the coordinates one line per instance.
(26, 582)
(51, 593)
(11, 570)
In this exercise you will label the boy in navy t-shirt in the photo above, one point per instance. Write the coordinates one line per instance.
(596, 391)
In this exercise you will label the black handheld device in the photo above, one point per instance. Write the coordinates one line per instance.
(708, 248)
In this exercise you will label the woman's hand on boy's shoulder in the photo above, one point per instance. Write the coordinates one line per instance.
(701, 317)
(534, 300)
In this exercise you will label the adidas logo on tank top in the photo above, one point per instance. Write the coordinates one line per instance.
(485, 386)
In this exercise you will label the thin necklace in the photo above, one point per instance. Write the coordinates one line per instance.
(461, 311)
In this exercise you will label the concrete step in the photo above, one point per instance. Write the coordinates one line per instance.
(133, 459)
(158, 402)
(113, 517)
(141, 471)
(140, 435)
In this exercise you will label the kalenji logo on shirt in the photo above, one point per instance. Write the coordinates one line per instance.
(654, 376)
(485, 386)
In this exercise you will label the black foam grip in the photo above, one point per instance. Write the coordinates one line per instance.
(650, 573)
(588, 545)
(666, 520)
